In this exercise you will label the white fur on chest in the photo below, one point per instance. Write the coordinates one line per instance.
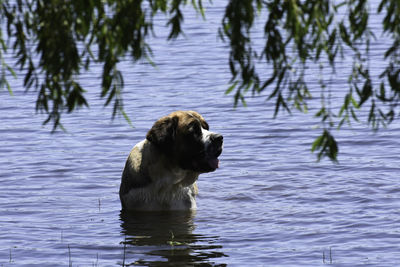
(154, 197)
(169, 189)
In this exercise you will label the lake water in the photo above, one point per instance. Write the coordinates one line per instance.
(269, 204)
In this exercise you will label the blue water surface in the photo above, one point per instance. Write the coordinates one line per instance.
(269, 204)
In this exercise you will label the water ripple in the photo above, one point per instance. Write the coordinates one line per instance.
(269, 204)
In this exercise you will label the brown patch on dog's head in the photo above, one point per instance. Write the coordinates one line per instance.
(163, 132)
(184, 137)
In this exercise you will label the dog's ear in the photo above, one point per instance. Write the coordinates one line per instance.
(163, 132)
(203, 122)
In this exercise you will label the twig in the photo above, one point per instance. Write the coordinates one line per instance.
(69, 256)
(123, 260)
(330, 256)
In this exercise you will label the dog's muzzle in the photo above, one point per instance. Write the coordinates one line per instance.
(213, 150)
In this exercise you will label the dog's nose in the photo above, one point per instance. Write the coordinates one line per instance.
(217, 139)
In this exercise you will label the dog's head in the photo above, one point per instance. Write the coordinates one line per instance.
(185, 138)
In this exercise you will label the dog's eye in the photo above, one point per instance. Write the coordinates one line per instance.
(194, 127)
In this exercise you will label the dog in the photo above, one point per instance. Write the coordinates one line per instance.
(161, 171)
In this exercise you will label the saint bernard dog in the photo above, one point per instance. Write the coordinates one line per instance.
(161, 171)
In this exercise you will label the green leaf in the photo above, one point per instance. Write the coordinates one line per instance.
(126, 117)
(354, 102)
(327, 146)
(354, 115)
(321, 112)
(230, 88)
(317, 143)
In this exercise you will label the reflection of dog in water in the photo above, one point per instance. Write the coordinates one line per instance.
(158, 228)
(166, 239)
(161, 171)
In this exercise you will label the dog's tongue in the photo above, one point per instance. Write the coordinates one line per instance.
(214, 163)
